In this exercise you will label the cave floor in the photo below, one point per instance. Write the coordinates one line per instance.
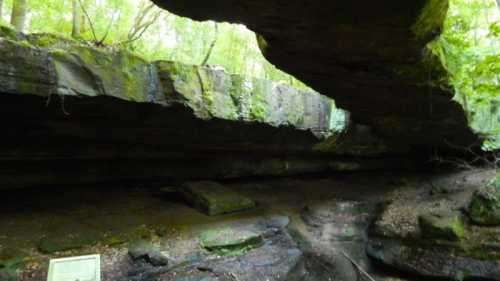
(49, 222)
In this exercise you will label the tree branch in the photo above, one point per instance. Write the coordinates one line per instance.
(90, 20)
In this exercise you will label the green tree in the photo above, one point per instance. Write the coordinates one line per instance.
(77, 18)
(19, 13)
(1, 10)
(470, 50)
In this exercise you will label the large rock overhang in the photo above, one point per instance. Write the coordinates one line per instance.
(370, 56)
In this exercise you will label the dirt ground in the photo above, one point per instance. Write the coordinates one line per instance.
(104, 218)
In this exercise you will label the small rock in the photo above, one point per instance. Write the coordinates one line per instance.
(230, 241)
(446, 226)
(215, 199)
(147, 251)
(485, 204)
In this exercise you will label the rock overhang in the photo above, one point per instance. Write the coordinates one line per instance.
(371, 57)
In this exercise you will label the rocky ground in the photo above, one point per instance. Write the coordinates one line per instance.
(308, 229)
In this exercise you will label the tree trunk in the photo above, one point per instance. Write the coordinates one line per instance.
(212, 45)
(18, 17)
(1, 6)
(498, 4)
(76, 30)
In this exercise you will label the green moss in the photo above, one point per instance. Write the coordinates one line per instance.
(206, 87)
(262, 43)
(447, 227)
(215, 199)
(485, 205)
(430, 20)
(257, 106)
(8, 32)
(230, 242)
(49, 40)
(141, 232)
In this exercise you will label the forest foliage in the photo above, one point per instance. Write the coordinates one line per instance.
(469, 48)
(155, 34)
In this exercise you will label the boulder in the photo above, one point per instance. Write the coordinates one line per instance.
(484, 208)
(147, 251)
(447, 226)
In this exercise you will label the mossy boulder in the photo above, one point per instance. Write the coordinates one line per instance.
(484, 208)
(213, 198)
(446, 226)
(230, 241)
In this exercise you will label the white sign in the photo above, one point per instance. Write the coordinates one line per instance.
(84, 268)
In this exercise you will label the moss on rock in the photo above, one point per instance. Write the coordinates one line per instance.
(484, 208)
(230, 241)
(442, 226)
(430, 20)
(215, 199)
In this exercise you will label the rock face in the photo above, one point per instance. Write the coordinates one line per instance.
(85, 114)
(337, 232)
(371, 57)
(430, 236)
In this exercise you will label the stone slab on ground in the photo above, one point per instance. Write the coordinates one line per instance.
(213, 198)
(230, 241)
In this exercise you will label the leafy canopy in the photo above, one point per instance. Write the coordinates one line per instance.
(470, 50)
(166, 36)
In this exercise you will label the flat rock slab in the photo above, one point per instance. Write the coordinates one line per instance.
(215, 199)
(230, 241)
(278, 259)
